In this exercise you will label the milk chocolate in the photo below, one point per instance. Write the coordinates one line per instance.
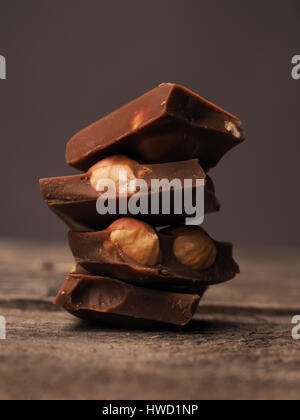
(108, 300)
(91, 253)
(169, 123)
(73, 199)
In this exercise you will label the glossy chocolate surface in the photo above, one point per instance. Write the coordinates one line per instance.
(104, 299)
(168, 123)
(91, 253)
(73, 199)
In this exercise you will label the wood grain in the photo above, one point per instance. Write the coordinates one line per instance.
(238, 346)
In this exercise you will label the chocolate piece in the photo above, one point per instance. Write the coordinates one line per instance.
(73, 199)
(92, 253)
(169, 123)
(104, 299)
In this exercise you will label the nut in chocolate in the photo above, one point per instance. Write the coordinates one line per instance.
(161, 189)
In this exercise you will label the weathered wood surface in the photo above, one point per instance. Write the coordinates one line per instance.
(238, 346)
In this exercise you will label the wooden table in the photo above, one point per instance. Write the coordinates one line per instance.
(238, 346)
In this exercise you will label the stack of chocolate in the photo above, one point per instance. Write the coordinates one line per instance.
(132, 269)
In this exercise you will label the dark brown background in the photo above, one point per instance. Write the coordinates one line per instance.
(71, 62)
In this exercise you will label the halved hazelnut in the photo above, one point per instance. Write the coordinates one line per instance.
(117, 168)
(195, 249)
(138, 240)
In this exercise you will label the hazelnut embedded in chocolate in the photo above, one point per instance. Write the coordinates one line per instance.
(136, 128)
(117, 168)
(195, 249)
(138, 240)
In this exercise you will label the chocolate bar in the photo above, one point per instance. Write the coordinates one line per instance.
(182, 258)
(169, 123)
(129, 270)
(73, 198)
(107, 300)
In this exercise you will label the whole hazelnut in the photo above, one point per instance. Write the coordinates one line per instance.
(138, 240)
(117, 168)
(195, 249)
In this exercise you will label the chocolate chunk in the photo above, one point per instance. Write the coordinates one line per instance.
(95, 252)
(73, 199)
(108, 300)
(169, 123)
